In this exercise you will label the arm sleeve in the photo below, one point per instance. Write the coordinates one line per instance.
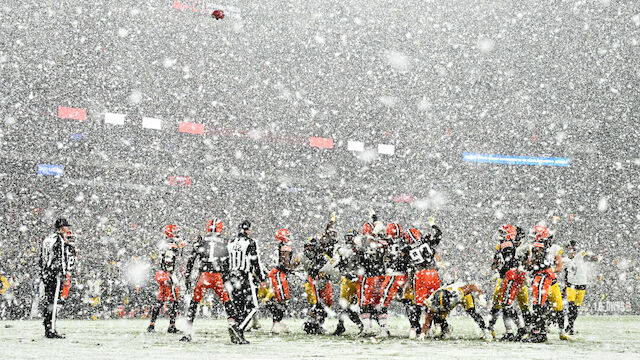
(192, 260)
(256, 264)
(438, 235)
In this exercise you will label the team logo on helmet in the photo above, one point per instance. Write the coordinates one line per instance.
(215, 224)
(283, 235)
(508, 232)
(394, 230)
(171, 231)
(412, 236)
(367, 228)
(540, 233)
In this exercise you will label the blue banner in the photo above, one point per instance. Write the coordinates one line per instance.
(515, 160)
(51, 170)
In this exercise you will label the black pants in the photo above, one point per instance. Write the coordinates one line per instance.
(244, 295)
(52, 290)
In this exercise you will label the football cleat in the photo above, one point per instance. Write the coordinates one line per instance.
(172, 329)
(339, 329)
(186, 338)
(151, 328)
(54, 335)
(564, 336)
(488, 335)
(413, 334)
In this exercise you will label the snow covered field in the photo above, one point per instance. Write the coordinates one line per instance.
(614, 337)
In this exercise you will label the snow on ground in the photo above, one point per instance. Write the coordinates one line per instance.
(614, 337)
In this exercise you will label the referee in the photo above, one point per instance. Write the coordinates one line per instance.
(244, 264)
(54, 266)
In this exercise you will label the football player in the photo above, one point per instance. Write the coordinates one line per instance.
(509, 259)
(279, 283)
(443, 300)
(349, 267)
(317, 287)
(397, 264)
(425, 275)
(211, 251)
(372, 258)
(545, 263)
(578, 264)
(167, 279)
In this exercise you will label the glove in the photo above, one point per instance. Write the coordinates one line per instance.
(187, 284)
(432, 221)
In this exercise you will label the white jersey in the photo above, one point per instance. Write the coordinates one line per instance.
(553, 251)
(579, 268)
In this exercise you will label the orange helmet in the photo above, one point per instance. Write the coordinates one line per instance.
(508, 232)
(367, 228)
(215, 224)
(540, 233)
(171, 230)
(283, 235)
(412, 235)
(394, 230)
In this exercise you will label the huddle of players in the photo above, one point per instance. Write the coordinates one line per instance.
(380, 265)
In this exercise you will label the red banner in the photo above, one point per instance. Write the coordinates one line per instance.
(179, 180)
(191, 128)
(403, 198)
(323, 143)
(72, 113)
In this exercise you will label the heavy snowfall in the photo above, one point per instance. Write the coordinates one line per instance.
(124, 117)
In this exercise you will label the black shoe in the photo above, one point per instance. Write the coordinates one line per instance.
(339, 330)
(172, 329)
(537, 338)
(151, 328)
(233, 334)
(508, 337)
(520, 334)
(186, 338)
(569, 330)
(241, 339)
(53, 335)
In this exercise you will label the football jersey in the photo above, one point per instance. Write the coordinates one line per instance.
(579, 268)
(284, 258)
(372, 257)
(544, 258)
(212, 252)
(168, 256)
(398, 257)
(348, 263)
(422, 255)
(507, 258)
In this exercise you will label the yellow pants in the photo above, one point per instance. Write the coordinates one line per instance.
(266, 294)
(349, 291)
(575, 296)
(522, 299)
(555, 297)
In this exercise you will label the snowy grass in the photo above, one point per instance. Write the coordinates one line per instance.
(597, 337)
